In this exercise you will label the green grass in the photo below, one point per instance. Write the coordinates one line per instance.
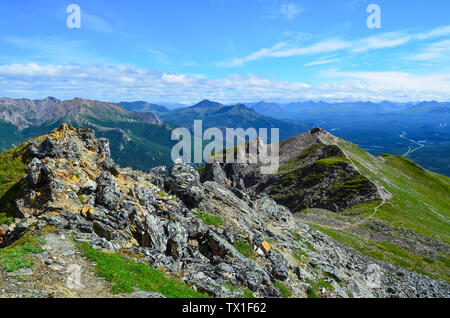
(162, 194)
(420, 203)
(210, 219)
(244, 248)
(285, 292)
(300, 255)
(332, 161)
(13, 168)
(230, 286)
(248, 294)
(309, 246)
(17, 255)
(5, 219)
(128, 276)
(315, 286)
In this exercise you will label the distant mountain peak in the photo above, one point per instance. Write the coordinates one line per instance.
(207, 103)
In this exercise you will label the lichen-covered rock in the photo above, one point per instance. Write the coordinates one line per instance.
(34, 171)
(213, 172)
(184, 181)
(157, 175)
(279, 266)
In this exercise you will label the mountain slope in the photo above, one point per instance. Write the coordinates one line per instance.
(141, 106)
(387, 207)
(173, 236)
(139, 140)
(215, 114)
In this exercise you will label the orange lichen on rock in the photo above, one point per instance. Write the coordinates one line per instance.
(266, 246)
(85, 210)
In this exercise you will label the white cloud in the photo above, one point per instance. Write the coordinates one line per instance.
(283, 49)
(321, 62)
(436, 51)
(382, 41)
(290, 10)
(117, 82)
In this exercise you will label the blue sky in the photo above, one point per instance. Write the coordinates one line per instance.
(226, 50)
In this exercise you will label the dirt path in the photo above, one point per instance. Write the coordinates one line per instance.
(60, 272)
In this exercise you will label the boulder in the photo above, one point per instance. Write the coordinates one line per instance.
(184, 181)
(213, 172)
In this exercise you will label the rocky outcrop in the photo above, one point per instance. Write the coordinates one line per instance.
(218, 239)
(314, 173)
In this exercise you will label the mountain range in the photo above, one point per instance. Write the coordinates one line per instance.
(140, 133)
(214, 114)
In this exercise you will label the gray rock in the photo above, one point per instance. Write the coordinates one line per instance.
(177, 239)
(108, 197)
(49, 148)
(184, 181)
(279, 266)
(143, 294)
(103, 147)
(34, 171)
(155, 236)
(122, 219)
(104, 230)
(109, 165)
(145, 197)
(213, 172)
(88, 188)
(157, 175)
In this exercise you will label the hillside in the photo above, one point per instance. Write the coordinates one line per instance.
(138, 140)
(141, 106)
(136, 234)
(387, 207)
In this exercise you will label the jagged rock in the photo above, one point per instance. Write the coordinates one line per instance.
(145, 197)
(108, 197)
(213, 172)
(128, 213)
(103, 147)
(122, 219)
(207, 284)
(98, 215)
(184, 181)
(57, 220)
(104, 230)
(109, 165)
(157, 175)
(154, 236)
(49, 148)
(85, 227)
(279, 266)
(269, 207)
(34, 171)
(105, 180)
(178, 237)
(88, 188)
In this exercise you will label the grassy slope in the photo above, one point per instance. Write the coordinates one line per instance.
(420, 203)
(128, 276)
(13, 166)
